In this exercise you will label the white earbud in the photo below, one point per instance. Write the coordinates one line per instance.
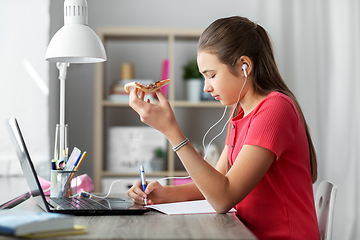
(244, 67)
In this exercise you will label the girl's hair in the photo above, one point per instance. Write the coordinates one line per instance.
(233, 37)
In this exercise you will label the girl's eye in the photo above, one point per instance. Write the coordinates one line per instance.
(212, 76)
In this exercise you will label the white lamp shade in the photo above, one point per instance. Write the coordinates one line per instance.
(75, 43)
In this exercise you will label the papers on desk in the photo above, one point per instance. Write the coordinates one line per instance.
(189, 207)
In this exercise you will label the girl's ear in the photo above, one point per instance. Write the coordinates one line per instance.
(245, 65)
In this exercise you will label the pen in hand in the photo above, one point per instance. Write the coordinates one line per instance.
(143, 181)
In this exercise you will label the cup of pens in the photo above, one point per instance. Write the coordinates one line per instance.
(63, 183)
(64, 167)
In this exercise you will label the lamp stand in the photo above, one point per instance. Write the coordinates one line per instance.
(62, 76)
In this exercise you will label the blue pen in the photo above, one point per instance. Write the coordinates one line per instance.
(143, 181)
(77, 161)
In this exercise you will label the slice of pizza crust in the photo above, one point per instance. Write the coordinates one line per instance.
(152, 87)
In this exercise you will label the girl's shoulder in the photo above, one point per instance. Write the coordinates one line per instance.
(279, 98)
(278, 102)
(274, 103)
(278, 95)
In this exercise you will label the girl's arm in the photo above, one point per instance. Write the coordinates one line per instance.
(190, 191)
(222, 191)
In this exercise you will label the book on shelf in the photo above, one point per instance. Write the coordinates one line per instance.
(165, 75)
(21, 222)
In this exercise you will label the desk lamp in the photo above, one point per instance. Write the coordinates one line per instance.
(75, 42)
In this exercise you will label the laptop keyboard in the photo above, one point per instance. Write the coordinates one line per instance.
(78, 203)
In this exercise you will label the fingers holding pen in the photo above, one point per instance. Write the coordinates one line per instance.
(155, 192)
(138, 195)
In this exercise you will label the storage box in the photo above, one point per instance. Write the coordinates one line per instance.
(130, 147)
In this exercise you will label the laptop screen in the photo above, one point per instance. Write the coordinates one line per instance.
(26, 163)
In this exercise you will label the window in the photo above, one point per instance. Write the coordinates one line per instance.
(24, 77)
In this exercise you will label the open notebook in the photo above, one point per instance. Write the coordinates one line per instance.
(189, 207)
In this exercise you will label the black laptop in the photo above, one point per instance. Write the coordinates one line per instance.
(73, 205)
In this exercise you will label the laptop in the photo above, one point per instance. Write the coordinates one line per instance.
(72, 205)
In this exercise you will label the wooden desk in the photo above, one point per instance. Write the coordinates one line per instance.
(153, 225)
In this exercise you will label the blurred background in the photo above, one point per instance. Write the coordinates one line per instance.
(316, 44)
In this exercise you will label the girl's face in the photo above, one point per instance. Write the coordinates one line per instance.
(222, 85)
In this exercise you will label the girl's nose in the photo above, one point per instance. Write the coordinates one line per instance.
(207, 87)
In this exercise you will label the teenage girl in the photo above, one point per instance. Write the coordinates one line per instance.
(268, 164)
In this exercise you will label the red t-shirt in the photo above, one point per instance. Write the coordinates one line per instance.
(281, 206)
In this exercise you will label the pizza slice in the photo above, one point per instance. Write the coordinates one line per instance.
(152, 87)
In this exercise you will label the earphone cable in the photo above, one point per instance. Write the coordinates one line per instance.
(203, 141)
(237, 102)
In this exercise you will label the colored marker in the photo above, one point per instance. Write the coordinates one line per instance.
(53, 164)
(79, 162)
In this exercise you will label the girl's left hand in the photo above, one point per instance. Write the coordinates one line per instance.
(155, 193)
(160, 117)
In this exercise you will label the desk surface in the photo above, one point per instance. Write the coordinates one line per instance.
(151, 225)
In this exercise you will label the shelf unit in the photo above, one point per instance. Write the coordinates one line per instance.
(152, 45)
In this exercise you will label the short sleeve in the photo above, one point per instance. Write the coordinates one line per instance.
(274, 125)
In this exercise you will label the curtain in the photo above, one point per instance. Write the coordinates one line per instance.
(317, 46)
(24, 76)
(341, 136)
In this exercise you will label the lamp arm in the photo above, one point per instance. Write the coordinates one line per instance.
(62, 76)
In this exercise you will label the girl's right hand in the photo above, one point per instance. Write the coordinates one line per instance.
(159, 116)
(154, 193)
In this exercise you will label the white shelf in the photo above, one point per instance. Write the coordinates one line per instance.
(168, 41)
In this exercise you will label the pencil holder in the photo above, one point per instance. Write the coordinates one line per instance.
(62, 184)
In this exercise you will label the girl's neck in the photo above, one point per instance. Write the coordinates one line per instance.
(250, 101)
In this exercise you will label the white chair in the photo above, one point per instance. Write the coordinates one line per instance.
(324, 205)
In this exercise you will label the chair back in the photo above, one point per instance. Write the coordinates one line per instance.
(324, 205)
